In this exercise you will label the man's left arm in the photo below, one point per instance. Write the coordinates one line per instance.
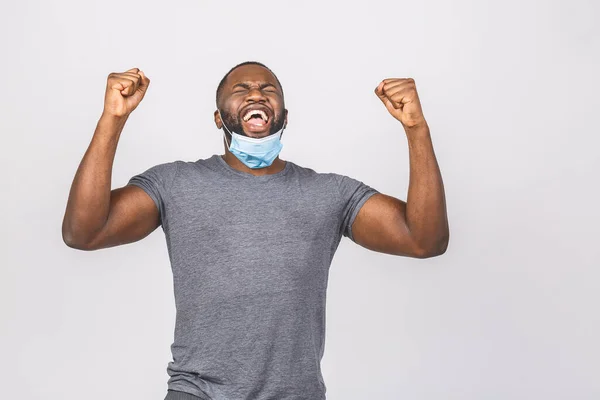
(418, 227)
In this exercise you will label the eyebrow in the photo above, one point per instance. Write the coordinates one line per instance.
(246, 85)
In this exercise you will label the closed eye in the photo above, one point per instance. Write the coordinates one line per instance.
(244, 87)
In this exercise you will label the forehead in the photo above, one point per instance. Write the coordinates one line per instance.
(251, 74)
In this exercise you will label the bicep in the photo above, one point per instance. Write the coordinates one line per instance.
(133, 215)
(380, 225)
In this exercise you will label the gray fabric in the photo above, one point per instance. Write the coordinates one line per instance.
(176, 395)
(250, 257)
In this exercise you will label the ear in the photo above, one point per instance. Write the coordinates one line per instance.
(218, 121)
(286, 118)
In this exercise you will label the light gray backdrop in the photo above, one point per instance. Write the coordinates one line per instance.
(510, 90)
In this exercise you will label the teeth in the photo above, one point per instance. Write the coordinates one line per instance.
(252, 112)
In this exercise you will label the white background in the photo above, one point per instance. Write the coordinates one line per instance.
(510, 91)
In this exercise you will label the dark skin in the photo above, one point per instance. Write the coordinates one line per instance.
(98, 217)
(247, 86)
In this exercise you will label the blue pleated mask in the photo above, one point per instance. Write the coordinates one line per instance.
(254, 152)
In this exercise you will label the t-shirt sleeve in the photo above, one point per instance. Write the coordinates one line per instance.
(156, 182)
(354, 194)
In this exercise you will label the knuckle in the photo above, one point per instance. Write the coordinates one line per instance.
(133, 76)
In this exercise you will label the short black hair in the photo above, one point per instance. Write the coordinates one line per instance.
(222, 83)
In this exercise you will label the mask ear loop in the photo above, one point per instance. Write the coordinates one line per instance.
(225, 136)
(282, 129)
(228, 145)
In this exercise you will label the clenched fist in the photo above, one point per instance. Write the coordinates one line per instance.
(401, 100)
(124, 91)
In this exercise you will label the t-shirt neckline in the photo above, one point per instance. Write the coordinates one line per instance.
(231, 170)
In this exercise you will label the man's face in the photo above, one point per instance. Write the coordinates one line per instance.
(251, 102)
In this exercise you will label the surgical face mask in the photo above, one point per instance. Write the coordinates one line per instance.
(254, 152)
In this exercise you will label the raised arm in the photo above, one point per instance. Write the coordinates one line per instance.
(418, 227)
(96, 216)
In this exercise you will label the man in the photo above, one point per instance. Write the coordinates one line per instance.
(250, 236)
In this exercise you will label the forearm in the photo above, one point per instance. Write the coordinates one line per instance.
(89, 199)
(426, 215)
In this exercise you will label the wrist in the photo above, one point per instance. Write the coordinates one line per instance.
(110, 125)
(418, 129)
(112, 120)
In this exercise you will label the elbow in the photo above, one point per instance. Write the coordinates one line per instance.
(428, 253)
(74, 240)
(73, 243)
(437, 249)
(68, 236)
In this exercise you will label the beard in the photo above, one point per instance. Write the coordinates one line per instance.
(234, 123)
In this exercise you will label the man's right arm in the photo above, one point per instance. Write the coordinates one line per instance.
(97, 217)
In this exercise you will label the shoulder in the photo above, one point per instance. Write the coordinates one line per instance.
(308, 173)
(343, 183)
(348, 186)
(202, 167)
(164, 167)
(181, 166)
(161, 174)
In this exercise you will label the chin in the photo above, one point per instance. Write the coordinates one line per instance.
(257, 135)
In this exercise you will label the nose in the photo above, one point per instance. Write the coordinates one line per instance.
(255, 94)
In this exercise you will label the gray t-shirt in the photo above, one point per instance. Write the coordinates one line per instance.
(250, 257)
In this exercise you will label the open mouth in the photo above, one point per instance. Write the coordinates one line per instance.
(256, 119)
